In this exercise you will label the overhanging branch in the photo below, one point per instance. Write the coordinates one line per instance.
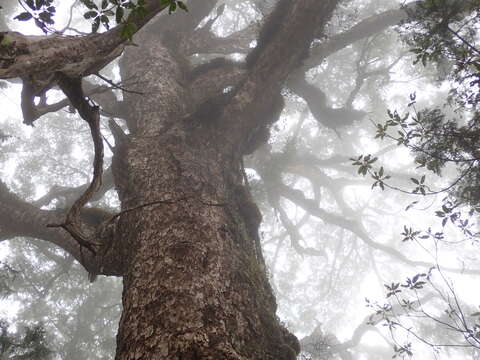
(19, 218)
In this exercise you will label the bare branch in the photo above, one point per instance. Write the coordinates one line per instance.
(72, 87)
(20, 218)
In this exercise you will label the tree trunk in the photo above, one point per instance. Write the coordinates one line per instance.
(195, 285)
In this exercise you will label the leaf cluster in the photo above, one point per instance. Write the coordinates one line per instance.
(437, 141)
(443, 33)
(364, 163)
(41, 11)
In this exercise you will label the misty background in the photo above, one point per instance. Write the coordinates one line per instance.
(335, 246)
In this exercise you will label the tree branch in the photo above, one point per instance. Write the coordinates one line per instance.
(72, 87)
(283, 43)
(20, 218)
(365, 28)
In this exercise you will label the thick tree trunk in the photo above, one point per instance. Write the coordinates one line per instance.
(195, 285)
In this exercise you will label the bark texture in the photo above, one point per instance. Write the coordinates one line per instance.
(195, 285)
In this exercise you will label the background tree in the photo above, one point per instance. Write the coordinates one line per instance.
(178, 175)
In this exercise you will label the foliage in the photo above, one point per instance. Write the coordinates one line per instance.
(419, 298)
(442, 33)
(42, 12)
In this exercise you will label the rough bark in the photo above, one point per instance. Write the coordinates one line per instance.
(196, 286)
(74, 56)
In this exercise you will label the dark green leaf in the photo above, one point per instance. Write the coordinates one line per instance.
(96, 24)
(46, 17)
(90, 14)
(119, 14)
(23, 16)
(183, 6)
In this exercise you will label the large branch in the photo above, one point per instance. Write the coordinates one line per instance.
(365, 28)
(283, 42)
(42, 56)
(101, 94)
(19, 218)
(74, 56)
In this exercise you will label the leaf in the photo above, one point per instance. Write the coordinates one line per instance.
(46, 17)
(30, 4)
(90, 14)
(419, 285)
(96, 24)
(119, 14)
(89, 4)
(39, 3)
(183, 6)
(23, 16)
(105, 21)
